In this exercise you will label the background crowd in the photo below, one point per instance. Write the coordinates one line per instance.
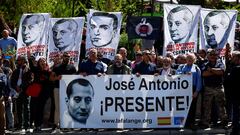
(214, 82)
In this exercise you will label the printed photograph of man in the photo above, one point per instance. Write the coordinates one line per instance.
(215, 27)
(180, 21)
(32, 29)
(64, 34)
(103, 27)
(79, 103)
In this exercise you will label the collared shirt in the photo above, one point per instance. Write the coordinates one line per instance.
(91, 68)
(165, 72)
(196, 74)
(145, 68)
(213, 80)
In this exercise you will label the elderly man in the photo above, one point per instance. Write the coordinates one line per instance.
(91, 66)
(145, 67)
(215, 27)
(193, 69)
(180, 22)
(118, 67)
(64, 34)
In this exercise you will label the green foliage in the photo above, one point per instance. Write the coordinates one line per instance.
(123, 42)
(234, 7)
(127, 7)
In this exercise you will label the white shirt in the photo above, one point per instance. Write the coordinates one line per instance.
(165, 72)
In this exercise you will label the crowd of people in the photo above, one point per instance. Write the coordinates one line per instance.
(214, 81)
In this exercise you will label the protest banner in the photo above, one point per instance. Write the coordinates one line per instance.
(65, 35)
(217, 29)
(180, 28)
(124, 101)
(103, 32)
(33, 34)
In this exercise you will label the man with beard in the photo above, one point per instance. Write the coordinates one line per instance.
(118, 67)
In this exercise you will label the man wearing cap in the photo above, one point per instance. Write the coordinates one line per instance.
(146, 67)
(213, 71)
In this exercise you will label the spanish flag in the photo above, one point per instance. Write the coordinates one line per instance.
(164, 120)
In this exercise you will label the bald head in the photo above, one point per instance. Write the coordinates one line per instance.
(5, 33)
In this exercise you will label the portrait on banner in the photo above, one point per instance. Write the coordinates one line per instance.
(65, 35)
(79, 101)
(180, 28)
(33, 34)
(103, 32)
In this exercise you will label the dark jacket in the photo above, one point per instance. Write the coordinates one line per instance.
(234, 83)
(26, 78)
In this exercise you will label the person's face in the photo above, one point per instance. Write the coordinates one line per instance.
(190, 60)
(138, 57)
(63, 36)
(80, 102)
(66, 59)
(214, 30)
(42, 63)
(212, 57)
(166, 63)
(179, 28)
(160, 61)
(118, 61)
(31, 31)
(5, 34)
(20, 62)
(202, 54)
(93, 54)
(123, 52)
(146, 57)
(101, 30)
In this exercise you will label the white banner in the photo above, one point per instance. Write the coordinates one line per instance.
(124, 101)
(103, 32)
(32, 35)
(180, 28)
(217, 29)
(65, 35)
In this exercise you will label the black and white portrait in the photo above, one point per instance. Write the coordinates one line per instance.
(215, 26)
(64, 34)
(103, 28)
(180, 20)
(32, 29)
(79, 102)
